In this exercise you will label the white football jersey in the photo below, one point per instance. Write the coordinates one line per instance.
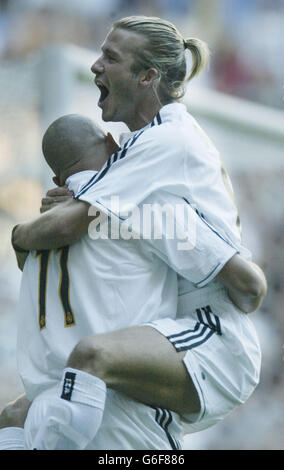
(173, 154)
(96, 286)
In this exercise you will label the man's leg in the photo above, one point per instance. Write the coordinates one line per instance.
(140, 362)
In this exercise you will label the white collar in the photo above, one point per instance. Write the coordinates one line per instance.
(166, 112)
(76, 181)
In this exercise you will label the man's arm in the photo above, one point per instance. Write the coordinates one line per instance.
(245, 281)
(62, 225)
(21, 259)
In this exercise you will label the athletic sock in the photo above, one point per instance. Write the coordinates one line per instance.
(12, 438)
(69, 416)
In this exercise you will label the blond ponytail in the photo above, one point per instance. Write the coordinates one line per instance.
(200, 55)
(164, 49)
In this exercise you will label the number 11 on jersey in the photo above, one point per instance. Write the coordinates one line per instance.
(64, 286)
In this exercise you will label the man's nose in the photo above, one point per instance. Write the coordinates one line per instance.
(97, 67)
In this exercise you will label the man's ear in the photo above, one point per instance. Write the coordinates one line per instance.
(111, 144)
(148, 77)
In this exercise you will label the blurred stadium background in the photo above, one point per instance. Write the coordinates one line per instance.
(46, 50)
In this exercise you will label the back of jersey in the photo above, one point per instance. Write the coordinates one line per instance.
(91, 287)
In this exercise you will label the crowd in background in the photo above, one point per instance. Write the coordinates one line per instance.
(246, 38)
(247, 42)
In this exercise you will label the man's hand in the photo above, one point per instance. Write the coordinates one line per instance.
(54, 197)
(14, 414)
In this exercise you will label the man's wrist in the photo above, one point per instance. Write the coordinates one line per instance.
(15, 246)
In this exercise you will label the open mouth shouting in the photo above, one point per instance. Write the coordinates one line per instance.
(104, 92)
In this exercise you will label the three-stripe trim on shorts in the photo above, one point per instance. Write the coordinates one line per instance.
(164, 418)
(207, 325)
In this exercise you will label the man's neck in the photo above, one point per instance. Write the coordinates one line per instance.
(143, 116)
(91, 164)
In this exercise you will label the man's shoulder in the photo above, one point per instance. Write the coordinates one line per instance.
(164, 135)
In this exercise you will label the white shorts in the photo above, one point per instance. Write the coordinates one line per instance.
(126, 425)
(130, 425)
(222, 353)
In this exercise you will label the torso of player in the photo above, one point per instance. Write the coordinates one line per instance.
(195, 168)
(91, 287)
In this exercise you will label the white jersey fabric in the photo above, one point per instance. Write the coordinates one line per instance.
(97, 286)
(172, 154)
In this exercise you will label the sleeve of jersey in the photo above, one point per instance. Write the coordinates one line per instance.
(155, 160)
(189, 246)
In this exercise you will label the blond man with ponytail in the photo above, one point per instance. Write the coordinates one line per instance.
(205, 361)
(142, 76)
(147, 55)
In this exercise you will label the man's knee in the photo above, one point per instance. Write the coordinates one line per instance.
(93, 356)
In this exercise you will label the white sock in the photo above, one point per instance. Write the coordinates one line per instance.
(67, 417)
(12, 438)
